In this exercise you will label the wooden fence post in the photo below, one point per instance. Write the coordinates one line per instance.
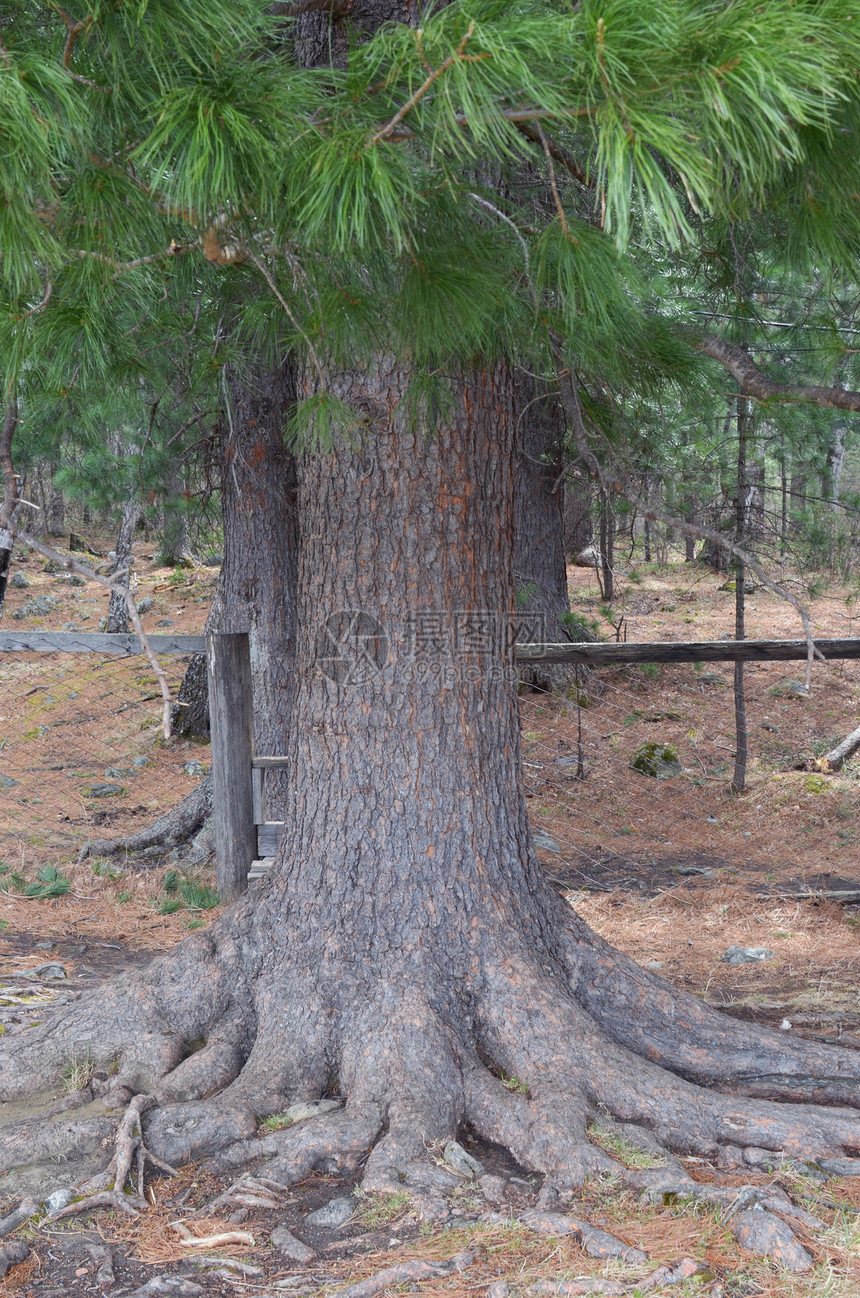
(231, 716)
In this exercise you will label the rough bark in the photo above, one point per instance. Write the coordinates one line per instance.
(742, 512)
(405, 948)
(117, 618)
(174, 550)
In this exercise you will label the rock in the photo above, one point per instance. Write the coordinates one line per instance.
(165, 621)
(543, 843)
(657, 760)
(59, 1198)
(237, 1217)
(53, 971)
(75, 579)
(142, 761)
(550, 1223)
(6, 782)
(590, 557)
(746, 955)
(762, 1233)
(310, 1109)
(333, 1214)
(20, 580)
(493, 1187)
(79, 545)
(712, 678)
(213, 560)
(43, 946)
(52, 566)
(38, 606)
(194, 768)
(116, 772)
(428, 1176)
(13, 1254)
(103, 791)
(500, 1289)
(144, 605)
(789, 690)
(70, 626)
(463, 1163)
(285, 1242)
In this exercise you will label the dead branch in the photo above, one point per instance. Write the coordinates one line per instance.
(73, 565)
(561, 155)
(753, 383)
(834, 760)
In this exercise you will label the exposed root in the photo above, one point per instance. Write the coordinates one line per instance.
(636, 1008)
(128, 1148)
(175, 828)
(407, 1272)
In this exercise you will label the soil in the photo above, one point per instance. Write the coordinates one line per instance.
(671, 871)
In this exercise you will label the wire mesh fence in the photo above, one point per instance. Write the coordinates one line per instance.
(81, 753)
(629, 775)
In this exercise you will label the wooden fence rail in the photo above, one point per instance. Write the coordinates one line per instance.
(240, 832)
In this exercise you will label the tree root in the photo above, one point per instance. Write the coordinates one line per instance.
(129, 1148)
(176, 828)
(407, 1272)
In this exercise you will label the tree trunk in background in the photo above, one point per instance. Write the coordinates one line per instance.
(578, 525)
(836, 461)
(174, 551)
(742, 499)
(10, 496)
(56, 511)
(607, 547)
(117, 618)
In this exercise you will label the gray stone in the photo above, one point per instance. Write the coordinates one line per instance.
(75, 579)
(13, 1254)
(462, 1162)
(746, 955)
(38, 606)
(335, 1213)
(52, 971)
(103, 791)
(59, 1198)
(194, 768)
(657, 760)
(762, 1233)
(116, 772)
(142, 761)
(6, 782)
(165, 621)
(70, 626)
(20, 580)
(543, 843)
(790, 690)
(310, 1109)
(213, 560)
(493, 1187)
(285, 1242)
(43, 946)
(144, 605)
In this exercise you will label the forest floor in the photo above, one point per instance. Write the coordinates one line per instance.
(673, 871)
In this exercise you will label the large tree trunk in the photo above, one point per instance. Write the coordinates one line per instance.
(405, 942)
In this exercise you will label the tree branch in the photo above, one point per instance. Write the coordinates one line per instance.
(459, 56)
(556, 151)
(753, 383)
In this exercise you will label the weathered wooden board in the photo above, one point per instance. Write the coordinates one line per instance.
(705, 651)
(231, 715)
(269, 836)
(74, 642)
